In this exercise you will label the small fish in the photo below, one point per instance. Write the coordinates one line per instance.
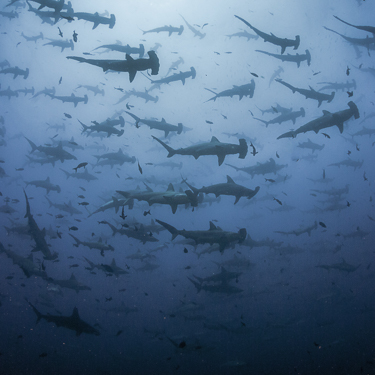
(314, 74)
(60, 33)
(326, 135)
(59, 216)
(277, 155)
(254, 74)
(20, 169)
(117, 175)
(42, 355)
(371, 218)
(364, 176)
(357, 147)
(313, 194)
(58, 234)
(119, 89)
(322, 224)
(74, 266)
(270, 180)
(60, 80)
(146, 213)
(83, 203)
(348, 203)
(254, 152)
(67, 115)
(209, 122)
(278, 201)
(224, 117)
(350, 93)
(119, 332)
(349, 152)
(122, 290)
(77, 220)
(87, 53)
(347, 70)
(149, 163)
(81, 196)
(108, 299)
(9, 278)
(185, 250)
(14, 200)
(75, 36)
(73, 228)
(123, 216)
(140, 169)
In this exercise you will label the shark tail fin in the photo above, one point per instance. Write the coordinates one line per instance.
(196, 284)
(37, 312)
(243, 148)
(170, 150)
(32, 144)
(171, 229)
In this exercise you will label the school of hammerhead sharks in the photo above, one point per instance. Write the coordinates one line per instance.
(143, 193)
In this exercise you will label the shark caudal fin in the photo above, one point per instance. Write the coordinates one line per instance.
(39, 315)
(33, 145)
(170, 150)
(196, 284)
(171, 229)
(243, 149)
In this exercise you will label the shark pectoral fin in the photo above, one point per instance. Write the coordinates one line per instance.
(282, 49)
(174, 208)
(221, 159)
(183, 80)
(132, 74)
(341, 127)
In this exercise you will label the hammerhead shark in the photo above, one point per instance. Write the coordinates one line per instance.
(241, 91)
(211, 236)
(226, 188)
(282, 42)
(125, 49)
(309, 94)
(297, 58)
(96, 19)
(73, 322)
(168, 29)
(214, 147)
(16, 71)
(326, 121)
(160, 125)
(128, 65)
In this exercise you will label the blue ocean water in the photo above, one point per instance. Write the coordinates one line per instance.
(186, 187)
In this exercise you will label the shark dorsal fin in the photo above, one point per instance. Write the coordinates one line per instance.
(128, 57)
(212, 226)
(100, 240)
(326, 113)
(119, 151)
(113, 262)
(47, 179)
(75, 314)
(230, 180)
(170, 187)
(72, 277)
(214, 139)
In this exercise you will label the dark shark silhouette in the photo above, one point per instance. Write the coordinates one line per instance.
(125, 49)
(243, 90)
(326, 121)
(160, 125)
(309, 94)
(261, 168)
(282, 42)
(96, 19)
(214, 147)
(16, 71)
(211, 236)
(227, 188)
(128, 65)
(38, 235)
(73, 322)
(297, 58)
(182, 76)
(168, 29)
